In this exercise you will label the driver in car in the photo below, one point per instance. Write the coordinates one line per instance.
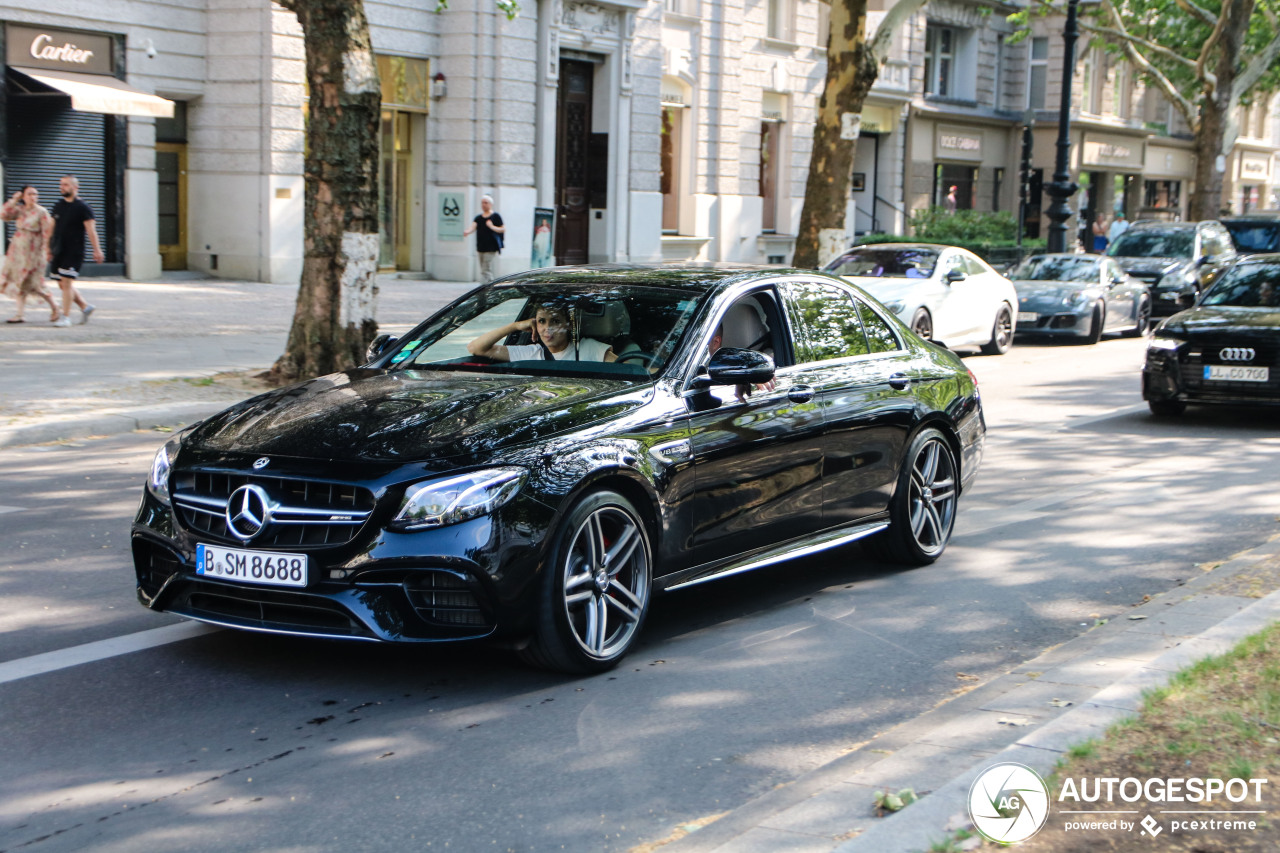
(550, 327)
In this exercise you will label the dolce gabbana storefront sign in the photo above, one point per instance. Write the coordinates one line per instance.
(58, 50)
(957, 143)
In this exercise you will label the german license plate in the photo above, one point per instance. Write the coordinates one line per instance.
(1236, 373)
(265, 567)
(1028, 316)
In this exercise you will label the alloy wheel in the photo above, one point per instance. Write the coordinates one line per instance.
(606, 581)
(932, 498)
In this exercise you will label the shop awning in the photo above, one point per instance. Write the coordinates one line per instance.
(96, 93)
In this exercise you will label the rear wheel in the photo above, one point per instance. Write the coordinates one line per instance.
(922, 324)
(1143, 321)
(595, 590)
(1096, 324)
(923, 511)
(1001, 332)
(1167, 408)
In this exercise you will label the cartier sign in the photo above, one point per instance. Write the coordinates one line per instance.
(1116, 151)
(60, 50)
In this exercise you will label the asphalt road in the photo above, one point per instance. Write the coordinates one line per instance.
(233, 741)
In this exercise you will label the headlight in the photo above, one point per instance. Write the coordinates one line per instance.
(1164, 344)
(1177, 279)
(895, 307)
(440, 502)
(1075, 300)
(161, 466)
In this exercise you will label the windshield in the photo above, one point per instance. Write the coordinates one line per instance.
(1154, 243)
(1255, 236)
(1247, 286)
(1051, 268)
(886, 263)
(628, 331)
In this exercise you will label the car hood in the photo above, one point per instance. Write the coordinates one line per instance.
(1046, 290)
(403, 415)
(1219, 320)
(1152, 266)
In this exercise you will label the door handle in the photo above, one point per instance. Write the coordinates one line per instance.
(899, 382)
(800, 393)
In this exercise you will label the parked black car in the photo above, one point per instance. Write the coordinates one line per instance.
(1255, 233)
(1176, 260)
(436, 494)
(1224, 350)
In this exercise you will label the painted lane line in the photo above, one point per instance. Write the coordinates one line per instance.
(4, 509)
(100, 650)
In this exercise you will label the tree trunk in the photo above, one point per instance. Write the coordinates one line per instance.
(334, 322)
(1212, 139)
(851, 70)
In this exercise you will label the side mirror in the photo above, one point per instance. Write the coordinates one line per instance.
(378, 346)
(953, 276)
(1202, 260)
(732, 366)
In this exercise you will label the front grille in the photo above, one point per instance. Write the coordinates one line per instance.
(444, 599)
(268, 609)
(304, 513)
(1193, 360)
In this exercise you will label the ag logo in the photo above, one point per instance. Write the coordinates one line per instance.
(1008, 803)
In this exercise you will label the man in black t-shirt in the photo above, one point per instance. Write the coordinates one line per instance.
(72, 222)
(488, 229)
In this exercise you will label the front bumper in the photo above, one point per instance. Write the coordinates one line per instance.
(1062, 324)
(465, 581)
(1178, 375)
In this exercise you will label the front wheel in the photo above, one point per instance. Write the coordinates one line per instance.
(923, 511)
(1166, 408)
(1143, 321)
(922, 324)
(1001, 332)
(595, 589)
(1097, 324)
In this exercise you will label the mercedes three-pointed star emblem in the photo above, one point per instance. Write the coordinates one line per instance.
(248, 512)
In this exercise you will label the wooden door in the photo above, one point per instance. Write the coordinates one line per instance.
(573, 126)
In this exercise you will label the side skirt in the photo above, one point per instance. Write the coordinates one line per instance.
(777, 554)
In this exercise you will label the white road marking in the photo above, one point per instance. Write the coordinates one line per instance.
(4, 509)
(100, 650)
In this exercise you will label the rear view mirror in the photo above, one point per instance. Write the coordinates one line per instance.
(379, 345)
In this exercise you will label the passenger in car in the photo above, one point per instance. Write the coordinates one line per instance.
(551, 328)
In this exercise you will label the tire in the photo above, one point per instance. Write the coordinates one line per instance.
(1097, 325)
(1001, 332)
(595, 589)
(922, 324)
(922, 513)
(1167, 408)
(1144, 320)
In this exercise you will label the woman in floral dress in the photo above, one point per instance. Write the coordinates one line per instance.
(28, 254)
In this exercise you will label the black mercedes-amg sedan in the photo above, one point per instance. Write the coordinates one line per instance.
(1226, 349)
(538, 459)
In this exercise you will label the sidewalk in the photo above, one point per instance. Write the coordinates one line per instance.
(152, 349)
(1031, 716)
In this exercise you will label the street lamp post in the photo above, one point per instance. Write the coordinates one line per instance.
(1063, 188)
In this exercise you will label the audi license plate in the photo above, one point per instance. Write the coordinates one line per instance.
(265, 567)
(1236, 373)
(1028, 316)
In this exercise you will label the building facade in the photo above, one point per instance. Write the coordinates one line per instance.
(605, 130)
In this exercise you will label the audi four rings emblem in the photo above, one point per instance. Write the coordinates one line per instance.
(248, 512)
(261, 463)
(1236, 353)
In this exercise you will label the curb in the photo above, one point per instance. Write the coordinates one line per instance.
(946, 748)
(110, 423)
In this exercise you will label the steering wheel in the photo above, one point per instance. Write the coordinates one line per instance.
(644, 358)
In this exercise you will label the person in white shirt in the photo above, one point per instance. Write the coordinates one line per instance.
(550, 327)
(1118, 227)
